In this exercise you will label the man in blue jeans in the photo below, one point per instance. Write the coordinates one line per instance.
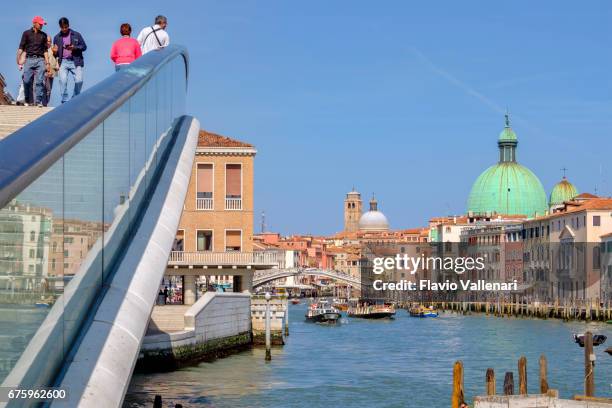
(68, 46)
(34, 45)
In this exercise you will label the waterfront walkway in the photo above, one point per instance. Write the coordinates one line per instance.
(570, 311)
(180, 334)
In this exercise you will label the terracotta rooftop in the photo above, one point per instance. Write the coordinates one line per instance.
(209, 139)
(585, 195)
(596, 203)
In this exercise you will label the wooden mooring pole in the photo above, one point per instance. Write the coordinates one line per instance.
(522, 370)
(457, 398)
(589, 365)
(490, 381)
(509, 384)
(543, 375)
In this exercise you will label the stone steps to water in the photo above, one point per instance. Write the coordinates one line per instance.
(13, 118)
(167, 318)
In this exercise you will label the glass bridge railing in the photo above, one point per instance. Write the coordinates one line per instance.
(72, 186)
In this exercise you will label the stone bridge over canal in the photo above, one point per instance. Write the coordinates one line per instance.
(265, 276)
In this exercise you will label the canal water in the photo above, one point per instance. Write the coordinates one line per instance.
(18, 323)
(406, 362)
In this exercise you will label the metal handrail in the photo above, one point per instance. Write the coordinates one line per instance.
(43, 142)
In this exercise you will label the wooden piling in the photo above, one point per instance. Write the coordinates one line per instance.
(509, 384)
(157, 402)
(522, 370)
(490, 381)
(457, 398)
(543, 375)
(589, 365)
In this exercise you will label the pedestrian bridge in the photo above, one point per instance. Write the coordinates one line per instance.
(90, 199)
(263, 277)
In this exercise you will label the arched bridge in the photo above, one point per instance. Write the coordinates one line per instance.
(269, 275)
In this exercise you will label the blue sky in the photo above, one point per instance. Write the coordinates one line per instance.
(401, 99)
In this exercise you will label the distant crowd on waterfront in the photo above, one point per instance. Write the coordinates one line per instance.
(40, 60)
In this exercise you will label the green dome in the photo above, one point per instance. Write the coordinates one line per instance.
(562, 191)
(508, 188)
(507, 134)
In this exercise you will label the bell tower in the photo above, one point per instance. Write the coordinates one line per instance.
(352, 211)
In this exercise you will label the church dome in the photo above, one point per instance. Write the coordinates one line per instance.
(507, 134)
(373, 220)
(562, 191)
(507, 187)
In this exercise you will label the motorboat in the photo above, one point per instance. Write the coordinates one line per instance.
(597, 339)
(322, 312)
(423, 311)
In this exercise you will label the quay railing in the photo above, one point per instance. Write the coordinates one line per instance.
(230, 258)
(233, 203)
(204, 203)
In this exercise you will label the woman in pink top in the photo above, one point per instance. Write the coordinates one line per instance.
(126, 49)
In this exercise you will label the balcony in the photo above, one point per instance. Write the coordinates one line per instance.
(256, 260)
(204, 203)
(233, 204)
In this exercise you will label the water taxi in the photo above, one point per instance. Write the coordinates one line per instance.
(322, 312)
(422, 311)
(295, 301)
(366, 310)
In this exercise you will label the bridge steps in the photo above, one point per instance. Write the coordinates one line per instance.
(13, 118)
(167, 318)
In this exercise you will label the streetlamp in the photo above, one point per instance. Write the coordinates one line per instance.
(268, 342)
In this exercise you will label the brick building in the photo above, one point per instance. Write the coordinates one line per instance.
(214, 241)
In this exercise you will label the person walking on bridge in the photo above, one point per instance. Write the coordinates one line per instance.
(34, 45)
(68, 47)
(50, 74)
(126, 49)
(154, 37)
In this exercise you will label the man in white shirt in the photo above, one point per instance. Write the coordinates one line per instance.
(154, 37)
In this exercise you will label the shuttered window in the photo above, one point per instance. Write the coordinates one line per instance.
(233, 181)
(205, 181)
(233, 240)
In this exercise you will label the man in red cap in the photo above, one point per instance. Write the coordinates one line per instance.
(34, 45)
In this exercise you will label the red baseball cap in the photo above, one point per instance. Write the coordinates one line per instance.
(39, 20)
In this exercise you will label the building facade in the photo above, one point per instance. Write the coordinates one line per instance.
(213, 248)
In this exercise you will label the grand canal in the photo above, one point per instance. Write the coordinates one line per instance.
(402, 363)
